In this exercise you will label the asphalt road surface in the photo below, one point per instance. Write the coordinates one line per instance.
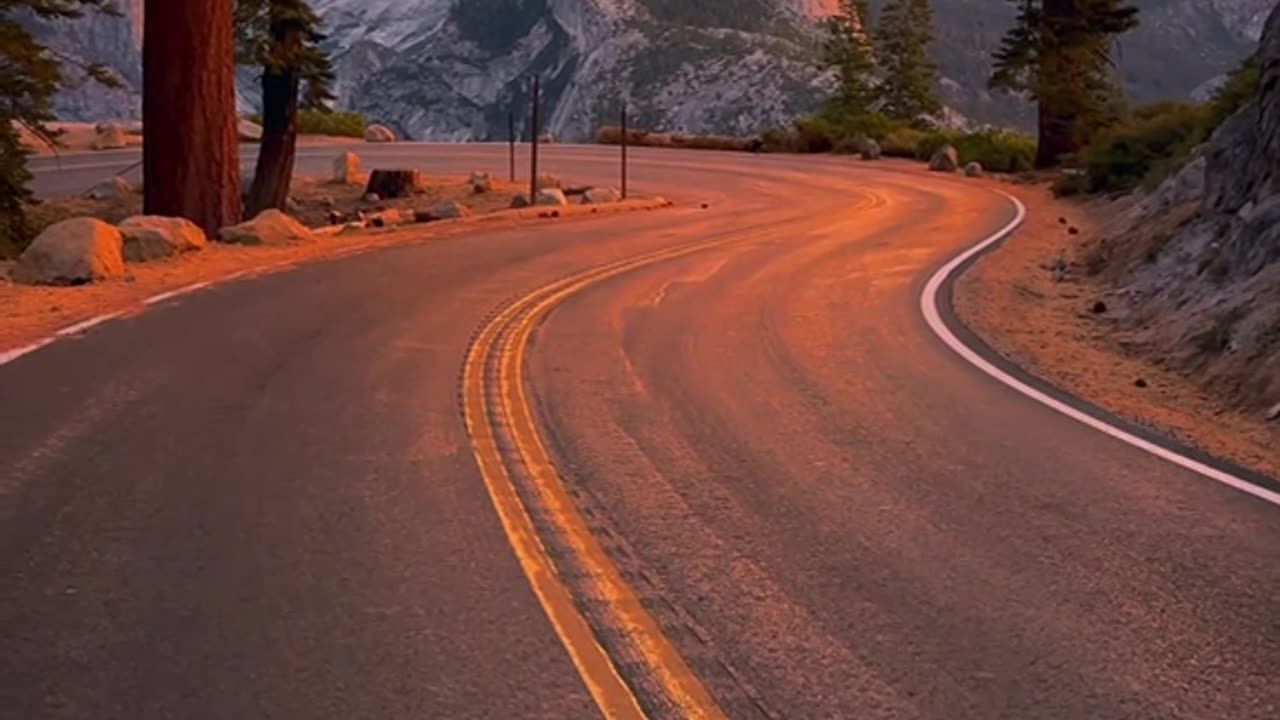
(260, 501)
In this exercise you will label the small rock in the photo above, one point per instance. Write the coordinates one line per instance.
(1140, 383)
(108, 136)
(1274, 413)
(152, 237)
(379, 134)
(113, 188)
(1062, 221)
(424, 216)
(271, 227)
(601, 196)
(549, 180)
(248, 130)
(519, 201)
(870, 149)
(335, 218)
(326, 201)
(552, 196)
(72, 252)
(1098, 308)
(449, 209)
(346, 169)
(372, 198)
(547, 139)
(1073, 230)
(946, 159)
(387, 218)
(480, 182)
(973, 170)
(292, 205)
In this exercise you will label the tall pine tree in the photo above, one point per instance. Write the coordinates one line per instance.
(903, 36)
(848, 49)
(30, 75)
(283, 38)
(191, 157)
(1059, 53)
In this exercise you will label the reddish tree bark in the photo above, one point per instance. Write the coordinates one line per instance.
(191, 156)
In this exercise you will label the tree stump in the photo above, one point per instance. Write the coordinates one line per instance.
(393, 183)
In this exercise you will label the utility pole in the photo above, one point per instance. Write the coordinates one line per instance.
(533, 170)
(624, 149)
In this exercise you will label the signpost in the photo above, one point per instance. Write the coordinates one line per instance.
(624, 150)
(511, 144)
(533, 171)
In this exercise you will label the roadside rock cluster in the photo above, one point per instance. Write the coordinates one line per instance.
(1198, 259)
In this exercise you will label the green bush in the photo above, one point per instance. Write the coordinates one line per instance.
(813, 135)
(997, 150)
(902, 142)
(1145, 147)
(319, 122)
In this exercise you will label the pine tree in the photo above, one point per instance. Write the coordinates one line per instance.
(903, 36)
(30, 75)
(1059, 53)
(848, 49)
(282, 37)
(191, 157)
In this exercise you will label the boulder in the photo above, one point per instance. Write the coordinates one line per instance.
(248, 131)
(549, 180)
(601, 196)
(346, 169)
(113, 188)
(552, 196)
(946, 159)
(449, 209)
(870, 149)
(151, 237)
(72, 252)
(973, 170)
(480, 182)
(386, 218)
(270, 227)
(393, 183)
(379, 134)
(108, 136)
(519, 201)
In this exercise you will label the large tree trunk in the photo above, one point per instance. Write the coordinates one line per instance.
(190, 157)
(279, 129)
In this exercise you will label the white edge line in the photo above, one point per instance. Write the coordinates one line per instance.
(86, 324)
(161, 297)
(9, 356)
(929, 305)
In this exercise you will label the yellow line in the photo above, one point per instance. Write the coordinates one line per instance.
(614, 697)
(616, 700)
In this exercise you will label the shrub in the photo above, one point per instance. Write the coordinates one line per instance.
(813, 135)
(997, 150)
(319, 122)
(901, 142)
(1144, 147)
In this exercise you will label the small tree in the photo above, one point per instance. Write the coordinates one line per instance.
(30, 75)
(282, 37)
(903, 36)
(1059, 54)
(848, 49)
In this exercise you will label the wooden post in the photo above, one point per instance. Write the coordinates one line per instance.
(624, 150)
(511, 144)
(533, 161)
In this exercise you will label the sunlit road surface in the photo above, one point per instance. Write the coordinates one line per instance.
(265, 499)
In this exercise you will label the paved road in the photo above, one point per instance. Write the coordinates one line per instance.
(260, 501)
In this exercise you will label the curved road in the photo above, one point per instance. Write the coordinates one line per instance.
(261, 500)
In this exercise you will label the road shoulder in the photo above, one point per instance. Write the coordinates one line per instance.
(1045, 322)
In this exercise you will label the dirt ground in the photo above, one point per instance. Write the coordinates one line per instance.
(29, 313)
(1055, 328)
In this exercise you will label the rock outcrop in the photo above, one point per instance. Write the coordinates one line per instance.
(152, 237)
(72, 252)
(1203, 284)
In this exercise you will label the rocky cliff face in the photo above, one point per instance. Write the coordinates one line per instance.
(453, 69)
(1202, 289)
